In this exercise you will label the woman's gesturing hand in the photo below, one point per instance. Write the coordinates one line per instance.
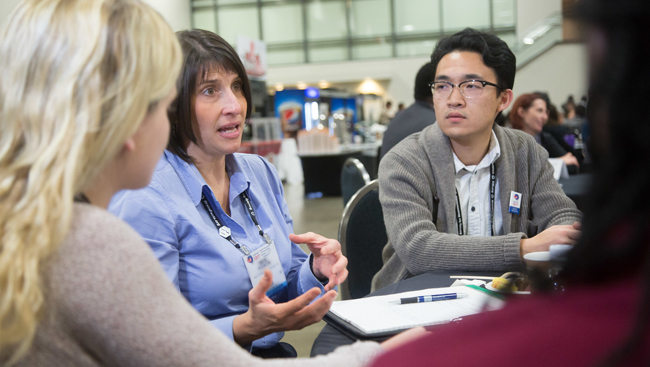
(265, 317)
(329, 261)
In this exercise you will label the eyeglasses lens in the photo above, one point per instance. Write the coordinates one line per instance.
(468, 89)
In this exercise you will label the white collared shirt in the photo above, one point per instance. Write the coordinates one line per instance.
(473, 186)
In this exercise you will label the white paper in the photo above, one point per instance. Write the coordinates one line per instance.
(559, 167)
(381, 314)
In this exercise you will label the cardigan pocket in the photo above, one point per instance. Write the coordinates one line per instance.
(434, 208)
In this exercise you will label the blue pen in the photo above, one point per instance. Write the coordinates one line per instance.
(432, 298)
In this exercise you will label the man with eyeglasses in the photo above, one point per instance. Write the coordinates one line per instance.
(466, 194)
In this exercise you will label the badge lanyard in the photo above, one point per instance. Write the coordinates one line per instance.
(459, 213)
(251, 213)
(224, 231)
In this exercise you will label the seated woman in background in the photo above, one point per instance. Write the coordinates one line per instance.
(603, 316)
(210, 212)
(529, 113)
(83, 114)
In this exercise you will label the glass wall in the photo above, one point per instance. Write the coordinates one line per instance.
(417, 16)
(311, 31)
(370, 18)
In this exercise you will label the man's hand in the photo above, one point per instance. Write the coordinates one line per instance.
(563, 235)
(265, 317)
(329, 261)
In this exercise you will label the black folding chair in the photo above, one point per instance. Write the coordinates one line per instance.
(353, 177)
(362, 235)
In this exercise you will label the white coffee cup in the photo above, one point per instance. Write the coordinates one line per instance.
(559, 252)
(538, 256)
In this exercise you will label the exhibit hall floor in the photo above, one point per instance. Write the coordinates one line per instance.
(321, 216)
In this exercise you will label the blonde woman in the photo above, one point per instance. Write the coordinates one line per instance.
(83, 114)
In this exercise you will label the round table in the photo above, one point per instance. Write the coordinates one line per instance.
(576, 187)
(330, 338)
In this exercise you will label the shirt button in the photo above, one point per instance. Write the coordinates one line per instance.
(473, 208)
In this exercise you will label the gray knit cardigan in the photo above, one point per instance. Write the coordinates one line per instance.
(416, 190)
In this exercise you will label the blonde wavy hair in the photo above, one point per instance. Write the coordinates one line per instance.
(78, 77)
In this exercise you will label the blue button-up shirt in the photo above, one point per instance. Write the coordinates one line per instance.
(207, 269)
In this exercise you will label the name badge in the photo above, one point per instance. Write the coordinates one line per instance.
(515, 202)
(266, 257)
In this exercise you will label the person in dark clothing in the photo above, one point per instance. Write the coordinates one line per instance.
(579, 117)
(415, 118)
(529, 113)
(569, 108)
(558, 130)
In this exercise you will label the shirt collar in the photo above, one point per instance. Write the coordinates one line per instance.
(494, 152)
(239, 180)
(194, 182)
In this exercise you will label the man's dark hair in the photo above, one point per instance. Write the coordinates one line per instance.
(496, 53)
(422, 90)
(203, 52)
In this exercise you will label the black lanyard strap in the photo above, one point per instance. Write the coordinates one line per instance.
(224, 231)
(251, 213)
(459, 212)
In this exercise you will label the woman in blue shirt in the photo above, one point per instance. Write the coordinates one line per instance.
(215, 218)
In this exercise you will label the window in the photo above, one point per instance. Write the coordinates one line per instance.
(232, 19)
(370, 18)
(285, 56)
(417, 16)
(375, 50)
(204, 19)
(416, 48)
(458, 15)
(337, 30)
(326, 20)
(230, 2)
(503, 13)
(282, 23)
(328, 53)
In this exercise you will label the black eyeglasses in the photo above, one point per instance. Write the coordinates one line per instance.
(468, 88)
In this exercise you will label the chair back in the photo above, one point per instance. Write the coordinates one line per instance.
(353, 177)
(362, 235)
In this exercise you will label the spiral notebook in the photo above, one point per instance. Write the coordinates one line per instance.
(379, 317)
